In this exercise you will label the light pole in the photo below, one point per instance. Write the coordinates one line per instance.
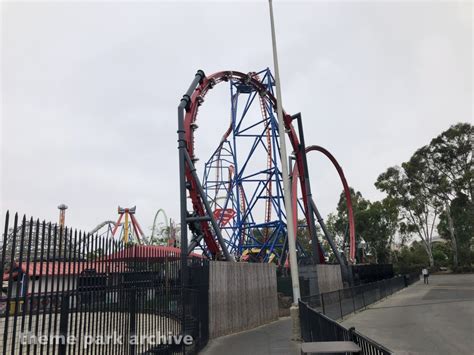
(286, 188)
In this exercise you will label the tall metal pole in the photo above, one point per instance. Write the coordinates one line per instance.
(284, 165)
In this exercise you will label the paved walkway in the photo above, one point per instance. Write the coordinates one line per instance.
(273, 338)
(423, 319)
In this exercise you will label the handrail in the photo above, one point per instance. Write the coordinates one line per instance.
(316, 326)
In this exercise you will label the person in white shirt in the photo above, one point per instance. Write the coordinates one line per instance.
(426, 275)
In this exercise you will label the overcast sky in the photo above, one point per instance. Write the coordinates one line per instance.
(90, 90)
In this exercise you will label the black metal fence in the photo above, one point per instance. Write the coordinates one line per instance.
(340, 303)
(367, 273)
(315, 326)
(69, 292)
(361, 274)
(412, 277)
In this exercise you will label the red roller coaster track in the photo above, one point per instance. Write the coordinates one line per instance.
(196, 100)
(347, 193)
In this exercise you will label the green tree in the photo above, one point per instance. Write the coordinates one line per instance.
(375, 223)
(418, 208)
(441, 254)
(411, 258)
(338, 222)
(331, 224)
(462, 211)
(444, 169)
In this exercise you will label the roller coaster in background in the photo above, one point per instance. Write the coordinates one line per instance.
(236, 198)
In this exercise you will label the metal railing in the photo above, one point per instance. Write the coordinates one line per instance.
(365, 273)
(63, 288)
(412, 277)
(316, 327)
(340, 303)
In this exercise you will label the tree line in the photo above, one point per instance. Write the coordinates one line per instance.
(427, 214)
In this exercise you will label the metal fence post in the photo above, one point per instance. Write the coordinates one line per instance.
(322, 302)
(353, 299)
(63, 320)
(184, 300)
(133, 325)
(340, 303)
(363, 299)
(303, 320)
(351, 333)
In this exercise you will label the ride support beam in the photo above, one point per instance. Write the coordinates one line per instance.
(117, 224)
(125, 229)
(182, 107)
(346, 274)
(305, 175)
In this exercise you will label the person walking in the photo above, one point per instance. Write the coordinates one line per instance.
(426, 275)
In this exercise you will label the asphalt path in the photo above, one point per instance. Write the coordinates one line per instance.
(273, 338)
(422, 319)
(437, 318)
